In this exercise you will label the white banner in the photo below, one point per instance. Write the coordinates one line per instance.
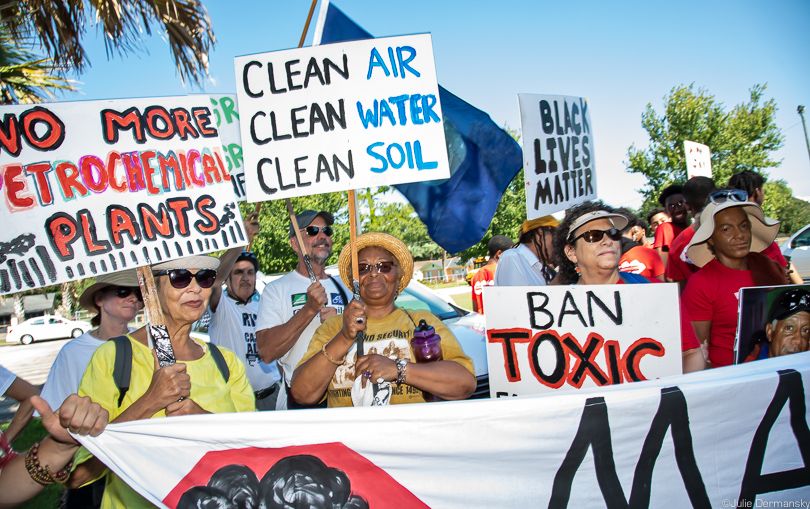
(558, 152)
(226, 113)
(698, 160)
(718, 438)
(340, 116)
(555, 338)
(95, 187)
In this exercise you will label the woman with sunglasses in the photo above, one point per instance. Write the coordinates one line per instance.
(330, 366)
(195, 384)
(115, 299)
(727, 247)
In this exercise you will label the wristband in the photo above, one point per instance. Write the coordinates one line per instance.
(329, 357)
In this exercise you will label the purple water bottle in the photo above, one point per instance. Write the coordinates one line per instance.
(427, 347)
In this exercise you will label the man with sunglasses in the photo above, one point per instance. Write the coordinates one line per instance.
(672, 200)
(292, 307)
(679, 267)
(233, 318)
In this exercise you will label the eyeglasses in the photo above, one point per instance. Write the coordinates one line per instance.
(247, 255)
(725, 195)
(673, 206)
(122, 292)
(597, 235)
(313, 230)
(382, 267)
(181, 278)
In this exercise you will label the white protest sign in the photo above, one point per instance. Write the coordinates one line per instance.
(340, 116)
(558, 153)
(757, 336)
(227, 120)
(96, 187)
(730, 437)
(555, 338)
(698, 159)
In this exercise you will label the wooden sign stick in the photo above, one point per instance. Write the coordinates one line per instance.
(355, 273)
(155, 324)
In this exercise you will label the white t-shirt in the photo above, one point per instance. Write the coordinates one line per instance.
(6, 379)
(233, 326)
(519, 267)
(68, 368)
(284, 297)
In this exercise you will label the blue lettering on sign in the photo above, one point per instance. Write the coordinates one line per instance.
(419, 107)
(396, 155)
(402, 61)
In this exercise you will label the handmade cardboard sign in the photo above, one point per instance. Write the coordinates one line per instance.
(227, 120)
(556, 338)
(773, 321)
(340, 116)
(558, 152)
(698, 160)
(95, 187)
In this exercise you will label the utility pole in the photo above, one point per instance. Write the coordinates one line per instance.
(800, 109)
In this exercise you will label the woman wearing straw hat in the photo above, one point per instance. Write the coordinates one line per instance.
(330, 367)
(115, 299)
(195, 384)
(727, 247)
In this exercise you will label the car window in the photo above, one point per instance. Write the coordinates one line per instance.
(415, 298)
(802, 239)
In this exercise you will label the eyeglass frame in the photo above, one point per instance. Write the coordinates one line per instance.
(194, 276)
(611, 232)
(735, 195)
(313, 231)
(362, 271)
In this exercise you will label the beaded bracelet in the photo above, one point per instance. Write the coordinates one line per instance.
(42, 474)
(329, 357)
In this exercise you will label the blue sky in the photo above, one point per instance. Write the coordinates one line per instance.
(619, 55)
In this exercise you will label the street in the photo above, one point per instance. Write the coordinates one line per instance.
(29, 362)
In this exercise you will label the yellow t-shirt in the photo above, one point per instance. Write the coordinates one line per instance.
(391, 337)
(208, 389)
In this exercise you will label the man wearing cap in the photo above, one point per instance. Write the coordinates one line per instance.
(292, 307)
(530, 263)
(788, 328)
(486, 274)
(233, 318)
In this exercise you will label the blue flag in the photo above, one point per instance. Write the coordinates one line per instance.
(483, 159)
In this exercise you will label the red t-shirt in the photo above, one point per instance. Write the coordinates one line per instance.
(678, 269)
(713, 294)
(774, 253)
(484, 277)
(665, 234)
(642, 260)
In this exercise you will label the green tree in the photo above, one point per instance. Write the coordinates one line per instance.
(742, 139)
(24, 77)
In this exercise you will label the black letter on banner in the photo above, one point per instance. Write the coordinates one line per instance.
(541, 308)
(617, 299)
(556, 378)
(594, 431)
(790, 390)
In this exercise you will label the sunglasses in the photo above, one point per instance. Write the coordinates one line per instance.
(673, 206)
(181, 278)
(725, 195)
(313, 230)
(122, 292)
(597, 235)
(382, 268)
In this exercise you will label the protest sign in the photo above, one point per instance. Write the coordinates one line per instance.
(698, 160)
(340, 116)
(558, 153)
(100, 186)
(227, 120)
(758, 336)
(555, 338)
(730, 437)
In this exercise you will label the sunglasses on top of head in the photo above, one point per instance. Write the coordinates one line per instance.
(122, 292)
(597, 235)
(725, 195)
(181, 278)
(382, 267)
(312, 231)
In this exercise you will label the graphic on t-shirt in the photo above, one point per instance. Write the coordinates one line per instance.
(337, 299)
(299, 299)
(632, 266)
(251, 349)
(393, 349)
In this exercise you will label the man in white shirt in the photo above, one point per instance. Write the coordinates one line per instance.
(530, 263)
(233, 319)
(292, 307)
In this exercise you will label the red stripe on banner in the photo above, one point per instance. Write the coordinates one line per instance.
(366, 479)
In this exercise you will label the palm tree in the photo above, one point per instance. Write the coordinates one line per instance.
(59, 25)
(24, 78)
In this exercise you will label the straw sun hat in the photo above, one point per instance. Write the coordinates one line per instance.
(122, 278)
(763, 230)
(382, 240)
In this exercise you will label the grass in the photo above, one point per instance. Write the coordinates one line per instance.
(35, 432)
(463, 300)
(439, 286)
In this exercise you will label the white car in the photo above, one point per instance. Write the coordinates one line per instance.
(797, 248)
(45, 327)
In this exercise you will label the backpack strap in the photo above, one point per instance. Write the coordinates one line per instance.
(122, 368)
(216, 353)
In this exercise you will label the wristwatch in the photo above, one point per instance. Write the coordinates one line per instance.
(402, 367)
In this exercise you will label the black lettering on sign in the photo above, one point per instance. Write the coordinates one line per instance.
(594, 431)
(790, 391)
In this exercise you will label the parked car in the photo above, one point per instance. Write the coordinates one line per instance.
(45, 327)
(797, 249)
